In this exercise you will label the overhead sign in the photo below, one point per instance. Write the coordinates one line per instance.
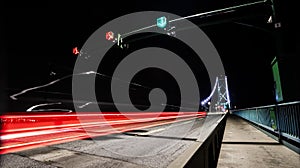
(161, 22)
(109, 35)
(75, 51)
(277, 82)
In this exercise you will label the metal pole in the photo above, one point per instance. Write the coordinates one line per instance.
(277, 116)
(279, 50)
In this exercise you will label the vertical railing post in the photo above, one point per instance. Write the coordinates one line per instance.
(277, 116)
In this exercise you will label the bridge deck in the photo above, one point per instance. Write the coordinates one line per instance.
(245, 146)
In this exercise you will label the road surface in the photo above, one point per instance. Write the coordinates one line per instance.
(151, 147)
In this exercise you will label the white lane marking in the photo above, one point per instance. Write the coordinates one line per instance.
(152, 131)
(216, 113)
(162, 129)
(186, 122)
(53, 155)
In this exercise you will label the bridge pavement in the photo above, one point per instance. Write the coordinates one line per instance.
(244, 146)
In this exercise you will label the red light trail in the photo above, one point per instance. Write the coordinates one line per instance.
(21, 131)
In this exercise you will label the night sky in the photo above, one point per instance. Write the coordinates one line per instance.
(38, 40)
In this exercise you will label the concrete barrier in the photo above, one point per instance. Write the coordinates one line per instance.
(204, 152)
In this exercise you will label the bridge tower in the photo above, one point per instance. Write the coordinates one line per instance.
(219, 99)
(223, 100)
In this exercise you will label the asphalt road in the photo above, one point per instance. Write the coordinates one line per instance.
(151, 147)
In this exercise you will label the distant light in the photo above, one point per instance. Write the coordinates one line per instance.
(120, 41)
(52, 73)
(277, 25)
(75, 51)
(270, 20)
(161, 22)
(109, 35)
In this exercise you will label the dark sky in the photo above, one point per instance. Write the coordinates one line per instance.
(38, 39)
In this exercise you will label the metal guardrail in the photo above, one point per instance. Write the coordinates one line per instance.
(281, 119)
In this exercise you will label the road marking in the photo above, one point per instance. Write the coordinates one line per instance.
(187, 122)
(161, 129)
(53, 155)
(216, 113)
(152, 131)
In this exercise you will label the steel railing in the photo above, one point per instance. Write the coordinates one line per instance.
(281, 119)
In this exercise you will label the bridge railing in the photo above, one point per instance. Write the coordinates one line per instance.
(282, 119)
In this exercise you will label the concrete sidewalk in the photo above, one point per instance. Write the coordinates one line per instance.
(244, 146)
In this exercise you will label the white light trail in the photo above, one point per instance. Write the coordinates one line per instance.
(40, 105)
(229, 9)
